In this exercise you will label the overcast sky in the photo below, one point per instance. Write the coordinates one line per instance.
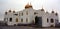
(19, 5)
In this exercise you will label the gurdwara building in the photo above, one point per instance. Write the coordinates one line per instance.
(31, 16)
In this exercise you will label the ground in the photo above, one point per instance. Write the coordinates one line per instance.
(23, 27)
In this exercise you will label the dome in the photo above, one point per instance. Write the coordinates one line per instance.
(42, 9)
(52, 11)
(56, 14)
(13, 11)
(5, 12)
(28, 6)
(9, 10)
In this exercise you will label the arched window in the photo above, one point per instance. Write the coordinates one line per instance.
(56, 14)
(16, 19)
(10, 20)
(52, 20)
(26, 19)
(5, 19)
(35, 13)
(27, 12)
(47, 20)
(21, 20)
(22, 14)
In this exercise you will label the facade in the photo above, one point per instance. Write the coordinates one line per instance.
(31, 16)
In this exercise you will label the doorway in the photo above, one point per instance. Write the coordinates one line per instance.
(52, 26)
(38, 21)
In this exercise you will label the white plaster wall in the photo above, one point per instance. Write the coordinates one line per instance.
(31, 17)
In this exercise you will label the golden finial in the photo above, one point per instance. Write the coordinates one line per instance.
(28, 5)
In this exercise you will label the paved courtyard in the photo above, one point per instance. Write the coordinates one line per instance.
(22, 27)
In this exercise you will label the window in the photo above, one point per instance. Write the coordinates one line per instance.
(26, 20)
(7, 19)
(16, 14)
(21, 20)
(16, 19)
(5, 13)
(52, 20)
(22, 14)
(56, 20)
(47, 20)
(35, 13)
(56, 14)
(4, 19)
(19, 14)
(10, 20)
(27, 12)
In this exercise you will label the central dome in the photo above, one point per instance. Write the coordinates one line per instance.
(28, 6)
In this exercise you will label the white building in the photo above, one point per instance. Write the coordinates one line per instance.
(29, 15)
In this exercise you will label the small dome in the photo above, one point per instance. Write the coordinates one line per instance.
(28, 6)
(42, 9)
(13, 11)
(5, 12)
(52, 11)
(9, 10)
(56, 14)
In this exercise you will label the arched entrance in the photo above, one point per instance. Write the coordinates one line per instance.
(38, 21)
(52, 20)
(52, 26)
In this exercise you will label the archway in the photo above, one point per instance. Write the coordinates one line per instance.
(38, 21)
(52, 26)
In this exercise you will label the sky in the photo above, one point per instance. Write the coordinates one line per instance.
(19, 5)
